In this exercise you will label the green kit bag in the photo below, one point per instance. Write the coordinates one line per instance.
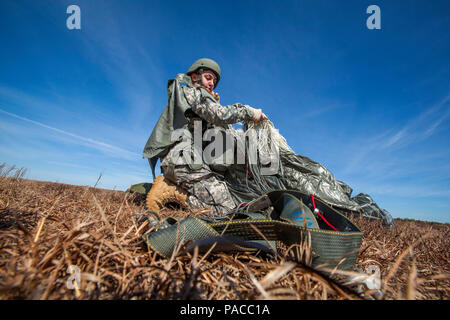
(285, 216)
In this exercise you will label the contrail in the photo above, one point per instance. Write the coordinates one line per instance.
(92, 142)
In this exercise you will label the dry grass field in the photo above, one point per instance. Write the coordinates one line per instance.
(47, 227)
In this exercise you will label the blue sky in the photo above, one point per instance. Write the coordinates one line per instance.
(373, 106)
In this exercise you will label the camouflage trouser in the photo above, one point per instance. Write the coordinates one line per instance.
(205, 188)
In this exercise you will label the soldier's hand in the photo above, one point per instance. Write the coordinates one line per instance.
(258, 115)
(216, 96)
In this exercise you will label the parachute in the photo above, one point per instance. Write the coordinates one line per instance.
(295, 172)
(251, 180)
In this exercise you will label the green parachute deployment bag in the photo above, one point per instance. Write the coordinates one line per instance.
(287, 216)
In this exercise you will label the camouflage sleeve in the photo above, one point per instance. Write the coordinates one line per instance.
(212, 111)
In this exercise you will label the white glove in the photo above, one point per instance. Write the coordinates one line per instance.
(258, 115)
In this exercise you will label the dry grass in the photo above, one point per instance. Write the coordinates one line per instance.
(47, 227)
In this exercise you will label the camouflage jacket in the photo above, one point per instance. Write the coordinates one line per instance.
(206, 107)
(185, 105)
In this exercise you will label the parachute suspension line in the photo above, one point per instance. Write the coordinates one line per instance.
(320, 215)
(268, 138)
(269, 142)
(272, 134)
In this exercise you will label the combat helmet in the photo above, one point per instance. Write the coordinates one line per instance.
(205, 63)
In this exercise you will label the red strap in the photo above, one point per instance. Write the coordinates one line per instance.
(318, 212)
(242, 204)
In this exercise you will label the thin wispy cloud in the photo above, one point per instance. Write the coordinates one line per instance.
(104, 147)
(367, 151)
(431, 130)
(314, 112)
(395, 138)
(393, 163)
(419, 128)
(19, 98)
(410, 190)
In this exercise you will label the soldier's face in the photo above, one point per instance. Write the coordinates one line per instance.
(209, 79)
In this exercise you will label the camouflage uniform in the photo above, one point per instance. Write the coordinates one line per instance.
(214, 113)
(205, 187)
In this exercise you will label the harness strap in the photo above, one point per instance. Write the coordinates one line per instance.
(241, 230)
